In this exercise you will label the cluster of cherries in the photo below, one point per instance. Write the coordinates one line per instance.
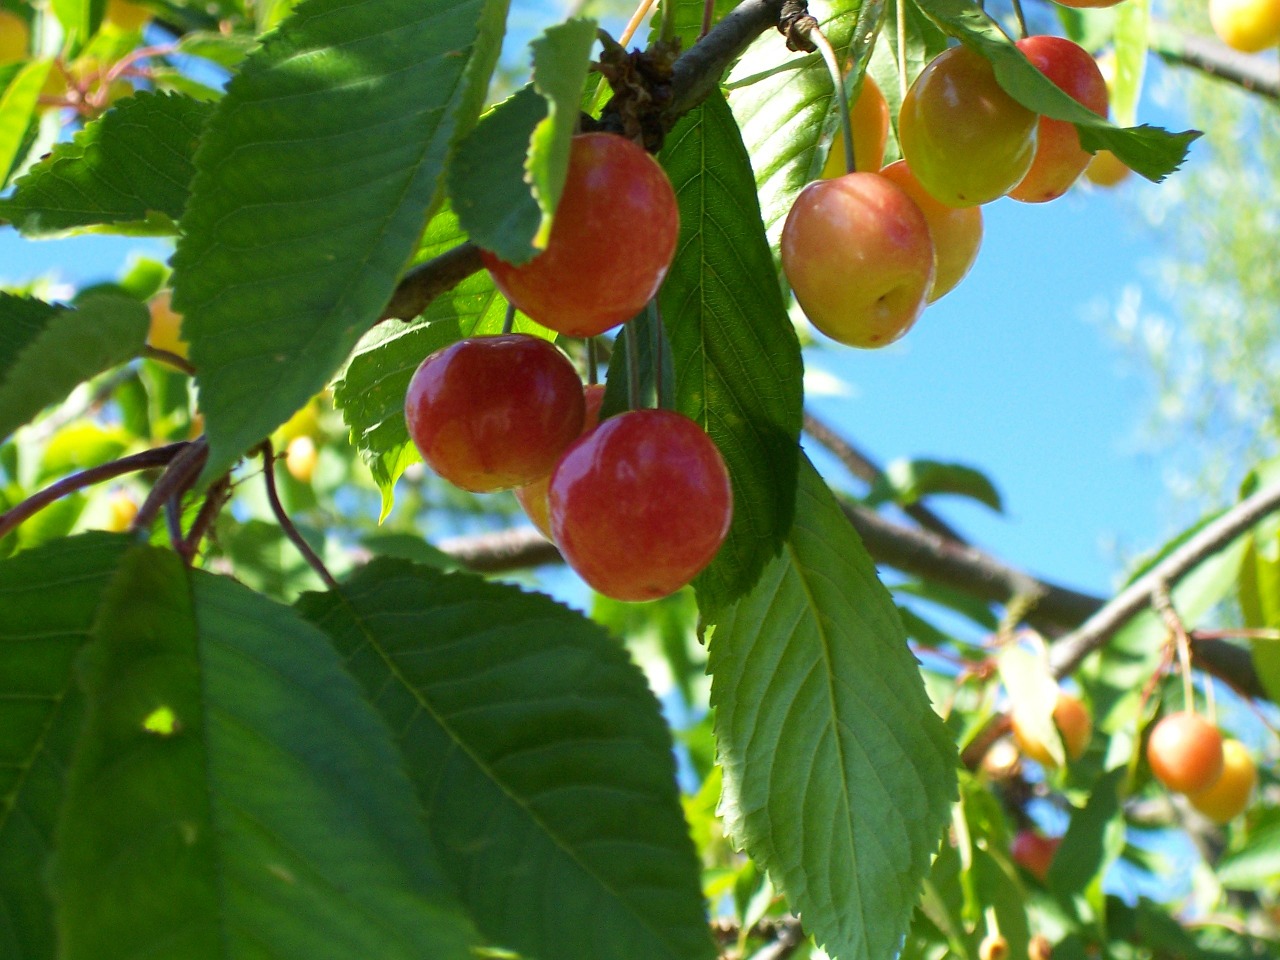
(638, 504)
(866, 251)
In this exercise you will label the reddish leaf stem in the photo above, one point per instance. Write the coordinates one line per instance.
(286, 524)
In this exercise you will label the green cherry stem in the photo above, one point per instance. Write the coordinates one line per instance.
(656, 334)
(593, 362)
(633, 365)
(842, 94)
(509, 320)
(1022, 20)
(900, 7)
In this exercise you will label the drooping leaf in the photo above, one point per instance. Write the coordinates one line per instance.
(46, 350)
(18, 112)
(231, 794)
(339, 125)
(1033, 693)
(1256, 865)
(133, 166)
(1094, 840)
(540, 757)
(49, 599)
(1151, 151)
(838, 774)
(736, 356)
(908, 481)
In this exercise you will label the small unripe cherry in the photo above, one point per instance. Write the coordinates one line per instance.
(165, 330)
(492, 413)
(1106, 169)
(641, 504)
(611, 242)
(533, 496)
(1185, 752)
(1249, 26)
(1227, 798)
(993, 947)
(869, 120)
(1039, 948)
(300, 458)
(956, 231)
(1074, 726)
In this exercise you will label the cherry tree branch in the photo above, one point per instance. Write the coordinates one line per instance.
(1260, 75)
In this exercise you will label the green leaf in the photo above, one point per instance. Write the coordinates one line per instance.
(908, 481)
(49, 599)
(1094, 840)
(838, 774)
(45, 350)
(789, 116)
(651, 340)
(735, 352)
(1033, 693)
(231, 794)
(17, 112)
(1256, 865)
(924, 41)
(1258, 591)
(1130, 39)
(339, 125)
(131, 166)
(540, 757)
(1151, 151)
(687, 19)
(80, 20)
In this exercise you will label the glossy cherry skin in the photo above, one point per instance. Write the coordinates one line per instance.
(1249, 26)
(533, 497)
(1106, 169)
(1185, 752)
(956, 231)
(1034, 852)
(641, 504)
(967, 140)
(492, 413)
(1227, 798)
(858, 255)
(869, 120)
(1059, 158)
(1074, 726)
(611, 242)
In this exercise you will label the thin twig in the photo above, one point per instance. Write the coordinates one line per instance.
(214, 500)
(174, 482)
(286, 524)
(1259, 75)
(1162, 603)
(147, 460)
(174, 360)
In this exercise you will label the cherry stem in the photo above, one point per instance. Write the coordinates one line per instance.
(173, 483)
(286, 524)
(708, 11)
(815, 34)
(168, 357)
(657, 335)
(209, 510)
(667, 28)
(1162, 601)
(593, 362)
(633, 365)
(1022, 20)
(509, 320)
(147, 460)
(902, 48)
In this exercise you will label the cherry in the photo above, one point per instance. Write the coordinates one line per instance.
(611, 243)
(1249, 26)
(1106, 169)
(1185, 752)
(1059, 158)
(1034, 852)
(967, 140)
(869, 119)
(1073, 724)
(956, 231)
(491, 413)
(993, 947)
(857, 253)
(1227, 798)
(533, 496)
(165, 330)
(641, 504)
(14, 37)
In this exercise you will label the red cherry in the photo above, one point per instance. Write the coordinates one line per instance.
(641, 504)
(1185, 752)
(1059, 158)
(533, 496)
(611, 242)
(1034, 852)
(491, 413)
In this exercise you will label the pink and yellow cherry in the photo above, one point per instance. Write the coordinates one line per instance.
(1106, 169)
(966, 140)
(641, 504)
(1072, 722)
(956, 231)
(1059, 158)
(533, 496)
(1034, 852)
(14, 37)
(611, 243)
(165, 330)
(1249, 26)
(301, 457)
(1185, 752)
(858, 255)
(492, 413)
(1227, 798)
(869, 120)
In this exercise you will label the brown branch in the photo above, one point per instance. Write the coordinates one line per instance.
(429, 280)
(286, 523)
(174, 482)
(147, 460)
(175, 360)
(1260, 75)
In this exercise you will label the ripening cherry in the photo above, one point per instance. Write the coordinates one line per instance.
(869, 120)
(1106, 169)
(1185, 752)
(858, 255)
(492, 413)
(956, 231)
(611, 243)
(1249, 26)
(641, 504)
(966, 140)
(1059, 158)
(1072, 722)
(165, 330)
(993, 947)
(1034, 852)
(1227, 798)
(533, 497)
(14, 37)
